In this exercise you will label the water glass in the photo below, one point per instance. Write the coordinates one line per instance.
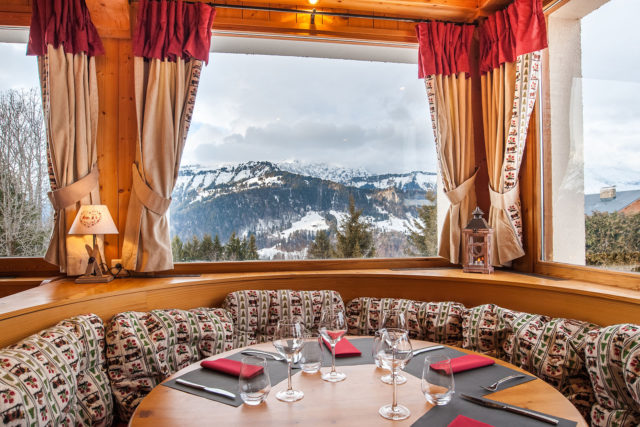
(254, 389)
(397, 359)
(437, 384)
(311, 354)
(375, 348)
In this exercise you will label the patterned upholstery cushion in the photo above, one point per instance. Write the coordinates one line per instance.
(552, 349)
(55, 377)
(613, 361)
(484, 329)
(433, 321)
(256, 313)
(144, 348)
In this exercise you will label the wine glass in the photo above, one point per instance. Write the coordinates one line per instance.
(393, 318)
(288, 340)
(333, 326)
(398, 340)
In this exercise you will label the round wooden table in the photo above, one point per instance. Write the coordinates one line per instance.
(352, 402)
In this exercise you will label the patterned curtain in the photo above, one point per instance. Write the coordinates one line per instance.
(443, 60)
(65, 40)
(510, 44)
(170, 43)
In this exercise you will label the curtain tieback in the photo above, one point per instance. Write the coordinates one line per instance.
(504, 200)
(147, 196)
(72, 193)
(458, 194)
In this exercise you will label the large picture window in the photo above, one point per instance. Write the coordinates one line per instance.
(592, 148)
(25, 212)
(306, 158)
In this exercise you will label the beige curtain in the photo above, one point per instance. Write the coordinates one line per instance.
(70, 104)
(451, 117)
(508, 96)
(165, 94)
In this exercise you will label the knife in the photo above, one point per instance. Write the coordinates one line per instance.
(205, 388)
(263, 353)
(515, 410)
(424, 350)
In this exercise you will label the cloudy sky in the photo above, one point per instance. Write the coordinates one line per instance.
(374, 115)
(370, 115)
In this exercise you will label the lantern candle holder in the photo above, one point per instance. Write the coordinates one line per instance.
(476, 245)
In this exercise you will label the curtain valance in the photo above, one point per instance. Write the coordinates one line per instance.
(443, 48)
(168, 30)
(63, 23)
(518, 29)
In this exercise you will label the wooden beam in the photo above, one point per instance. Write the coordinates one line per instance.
(111, 18)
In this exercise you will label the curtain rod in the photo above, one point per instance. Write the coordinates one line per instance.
(315, 13)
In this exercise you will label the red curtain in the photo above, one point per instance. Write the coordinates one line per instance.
(63, 22)
(518, 29)
(168, 29)
(443, 48)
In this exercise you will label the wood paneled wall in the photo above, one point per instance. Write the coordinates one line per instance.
(116, 134)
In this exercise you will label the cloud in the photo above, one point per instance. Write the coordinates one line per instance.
(18, 70)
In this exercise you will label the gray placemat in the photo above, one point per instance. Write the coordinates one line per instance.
(469, 382)
(444, 415)
(277, 373)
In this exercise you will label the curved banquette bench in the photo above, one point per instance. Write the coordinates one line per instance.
(597, 368)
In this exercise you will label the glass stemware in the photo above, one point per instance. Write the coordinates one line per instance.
(288, 340)
(333, 326)
(401, 353)
(396, 319)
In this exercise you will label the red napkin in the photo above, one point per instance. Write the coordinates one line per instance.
(462, 421)
(344, 348)
(231, 367)
(464, 363)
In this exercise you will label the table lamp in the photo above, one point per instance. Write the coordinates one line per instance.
(93, 219)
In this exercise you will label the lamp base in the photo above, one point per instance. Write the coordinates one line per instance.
(94, 279)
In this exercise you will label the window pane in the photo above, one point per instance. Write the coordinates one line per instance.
(25, 212)
(278, 147)
(594, 56)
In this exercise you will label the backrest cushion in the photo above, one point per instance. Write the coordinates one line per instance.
(552, 349)
(613, 360)
(143, 348)
(484, 329)
(433, 321)
(55, 377)
(256, 313)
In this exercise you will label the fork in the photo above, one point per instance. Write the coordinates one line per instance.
(263, 353)
(494, 386)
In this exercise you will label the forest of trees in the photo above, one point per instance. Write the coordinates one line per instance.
(423, 232)
(25, 212)
(209, 249)
(613, 240)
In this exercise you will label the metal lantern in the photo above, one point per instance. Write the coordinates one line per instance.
(476, 245)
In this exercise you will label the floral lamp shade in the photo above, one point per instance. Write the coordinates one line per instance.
(476, 245)
(93, 219)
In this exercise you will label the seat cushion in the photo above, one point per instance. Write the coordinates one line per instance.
(256, 313)
(613, 361)
(143, 348)
(553, 350)
(432, 321)
(55, 377)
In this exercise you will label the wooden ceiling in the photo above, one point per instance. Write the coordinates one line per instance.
(112, 17)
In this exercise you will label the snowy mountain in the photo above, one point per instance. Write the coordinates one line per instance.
(284, 205)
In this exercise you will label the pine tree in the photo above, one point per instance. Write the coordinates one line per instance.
(233, 248)
(320, 248)
(354, 235)
(252, 252)
(218, 249)
(423, 230)
(206, 251)
(192, 249)
(177, 249)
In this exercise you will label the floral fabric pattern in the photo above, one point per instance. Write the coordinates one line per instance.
(255, 313)
(55, 377)
(144, 348)
(432, 321)
(613, 361)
